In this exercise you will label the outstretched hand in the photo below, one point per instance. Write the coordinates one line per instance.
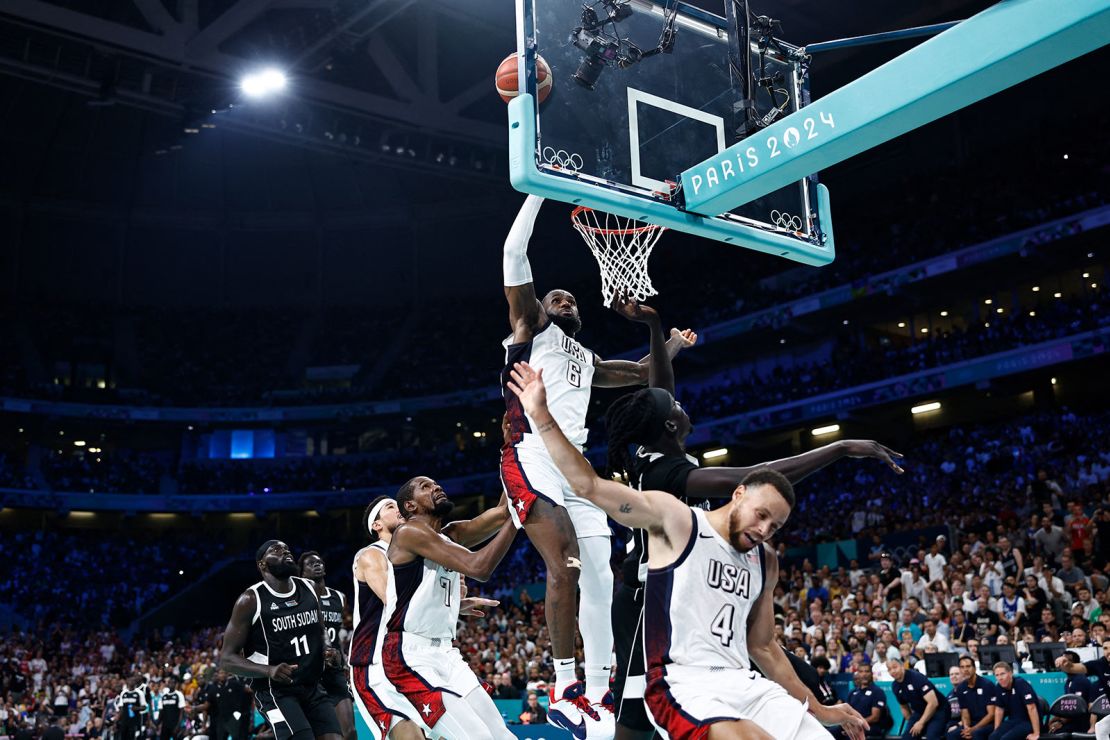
(684, 338)
(471, 606)
(633, 310)
(871, 448)
(527, 384)
(849, 720)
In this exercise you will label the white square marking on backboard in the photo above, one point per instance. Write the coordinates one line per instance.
(639, 96)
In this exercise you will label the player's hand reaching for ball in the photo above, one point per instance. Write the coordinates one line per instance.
(633, 310)
(848, 719)
(282, 672)
(527, 384)
(871, 448)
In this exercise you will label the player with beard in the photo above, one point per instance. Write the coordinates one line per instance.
(654, 422)
(428, 680)
(709, 610)
(571, 534)
(276, 638)
(332, 606)
(371, 576)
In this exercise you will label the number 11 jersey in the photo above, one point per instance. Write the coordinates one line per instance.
(286, 628)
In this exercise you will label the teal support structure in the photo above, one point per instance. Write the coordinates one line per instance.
(528, 178)
(1002, 46)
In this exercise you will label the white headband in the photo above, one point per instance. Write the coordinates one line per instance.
(373, 516)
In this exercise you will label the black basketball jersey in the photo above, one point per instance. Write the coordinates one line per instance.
(331, 608)
(169, 708)
(131, 703)
(655, 472)
(287, 629)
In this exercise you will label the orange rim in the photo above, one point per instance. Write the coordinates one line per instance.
(598, 230)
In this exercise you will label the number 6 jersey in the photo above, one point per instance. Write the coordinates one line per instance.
(696, 609)
(568, 372)
(286, 628)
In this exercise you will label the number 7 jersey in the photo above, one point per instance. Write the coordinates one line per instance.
(568, 373)
(423, 599)
(696, 609)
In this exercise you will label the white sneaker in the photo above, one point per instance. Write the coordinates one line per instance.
(605, 726)
(572, 711)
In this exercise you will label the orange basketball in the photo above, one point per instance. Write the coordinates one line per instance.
(506, 79)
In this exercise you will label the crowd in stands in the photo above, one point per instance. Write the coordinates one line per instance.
(47, 576)
(259, 356)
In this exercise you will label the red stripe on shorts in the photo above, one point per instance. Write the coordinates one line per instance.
(667, 712)
(521, 494)
(425, 698)
(382, 717)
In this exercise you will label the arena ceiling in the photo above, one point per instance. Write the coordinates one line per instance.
(370, 77)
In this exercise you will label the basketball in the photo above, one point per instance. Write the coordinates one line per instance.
(506, 79)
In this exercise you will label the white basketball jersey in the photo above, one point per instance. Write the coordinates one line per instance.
(423, 600)
(696, 609)
(568, 372)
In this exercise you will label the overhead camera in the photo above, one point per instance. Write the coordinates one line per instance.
(604, 49)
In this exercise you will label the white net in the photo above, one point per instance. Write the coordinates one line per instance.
(621, 247)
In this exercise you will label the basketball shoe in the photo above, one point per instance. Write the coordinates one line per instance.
(573, 710)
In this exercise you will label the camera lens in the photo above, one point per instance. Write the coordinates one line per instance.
(589, 71)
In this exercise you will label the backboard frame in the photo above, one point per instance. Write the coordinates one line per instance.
(527, 174)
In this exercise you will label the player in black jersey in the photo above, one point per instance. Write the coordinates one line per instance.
(171, 710)
(276, 638)
(132, 707)
(333, 605)
(657, 424)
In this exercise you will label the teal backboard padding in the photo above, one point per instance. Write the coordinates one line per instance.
(1002, 46)
(527, 178)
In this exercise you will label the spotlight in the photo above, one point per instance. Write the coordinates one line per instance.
(926, 408)
(901, 324)
(263, 83)
(943, 313)
(830, 429)
(714, 454)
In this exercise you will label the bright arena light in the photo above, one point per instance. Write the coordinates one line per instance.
(925, 408)
(265, 82)
(830, 429)
(714, 454)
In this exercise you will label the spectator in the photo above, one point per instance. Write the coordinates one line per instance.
(1051, 539)
(932, 638)
(1017, 715)
(920, 703)
(534, 713)
(977, 697)
(1069, 572)
(870, 702)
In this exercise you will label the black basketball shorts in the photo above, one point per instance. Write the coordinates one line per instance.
(304, 712)
(628, 640)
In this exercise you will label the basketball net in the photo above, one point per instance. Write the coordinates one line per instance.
(621, 247)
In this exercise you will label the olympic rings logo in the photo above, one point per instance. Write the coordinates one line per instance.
(784, 220)
(562, 159)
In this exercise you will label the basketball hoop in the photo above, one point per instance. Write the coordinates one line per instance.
(621, 247)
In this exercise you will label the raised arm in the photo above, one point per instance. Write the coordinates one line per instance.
(420, 539)
(722, 481)
(771, 659)
(525, 311)
(651, 510)
(655, 369)
(235, 640)
(469, 532)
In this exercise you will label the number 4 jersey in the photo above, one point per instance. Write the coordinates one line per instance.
(696, 609)
(286, 628)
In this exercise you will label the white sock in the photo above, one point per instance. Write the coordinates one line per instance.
(564, 675)
(595, 614)
(597, 683)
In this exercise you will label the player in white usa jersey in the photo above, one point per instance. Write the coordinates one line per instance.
(571, 535)
(431, 684)
(713, 570)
